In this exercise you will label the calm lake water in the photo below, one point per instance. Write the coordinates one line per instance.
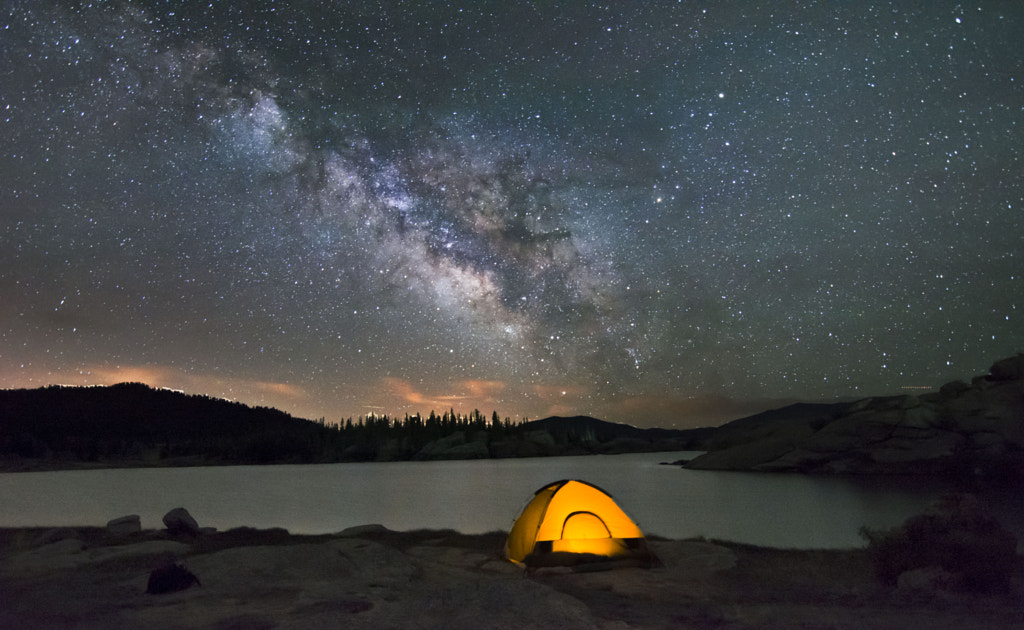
(480, 496)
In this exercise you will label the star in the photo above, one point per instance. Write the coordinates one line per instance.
(657, 215)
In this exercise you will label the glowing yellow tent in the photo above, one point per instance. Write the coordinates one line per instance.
(569, 522)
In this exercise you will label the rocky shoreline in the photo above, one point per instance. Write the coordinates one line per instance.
(371, 577)
(972, 432)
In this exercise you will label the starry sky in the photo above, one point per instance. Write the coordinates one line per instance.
(660, 213)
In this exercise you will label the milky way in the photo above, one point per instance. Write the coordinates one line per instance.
(667, 213)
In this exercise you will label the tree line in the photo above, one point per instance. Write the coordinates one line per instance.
(134, 422)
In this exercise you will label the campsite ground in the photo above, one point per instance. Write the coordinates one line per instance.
(372, 578)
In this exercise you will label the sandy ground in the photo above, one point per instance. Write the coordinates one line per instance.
(372, 578)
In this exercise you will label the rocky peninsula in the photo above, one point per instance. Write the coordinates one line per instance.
(965, 431)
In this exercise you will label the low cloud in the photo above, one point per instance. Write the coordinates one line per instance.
(463, 395)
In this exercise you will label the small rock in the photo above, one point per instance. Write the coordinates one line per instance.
(125, 525)
(170, 578)
(179, 521)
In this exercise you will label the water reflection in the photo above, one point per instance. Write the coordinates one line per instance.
(480, 496)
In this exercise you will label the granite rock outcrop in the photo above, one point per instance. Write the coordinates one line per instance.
(963, 430)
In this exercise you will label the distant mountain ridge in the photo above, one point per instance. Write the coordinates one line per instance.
(965, 430)
(134, 422)
(604, 431)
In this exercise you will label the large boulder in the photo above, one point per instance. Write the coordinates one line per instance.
(179, 521)
(125, 525)
(169, 579)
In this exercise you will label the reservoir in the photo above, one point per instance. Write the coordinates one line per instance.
(477, 496)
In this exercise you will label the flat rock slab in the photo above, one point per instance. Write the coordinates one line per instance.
(71, 553)
(687, 566)
(162, 549)
(463, 558)
(693, 559)
(346, 582)
(351, 583)
(456, 582)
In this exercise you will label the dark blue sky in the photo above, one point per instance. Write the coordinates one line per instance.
(640, 211)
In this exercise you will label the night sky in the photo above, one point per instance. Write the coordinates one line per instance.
(664, 213)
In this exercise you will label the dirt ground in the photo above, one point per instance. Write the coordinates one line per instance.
(374, 578)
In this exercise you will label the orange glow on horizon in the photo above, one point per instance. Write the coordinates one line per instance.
(397, 395)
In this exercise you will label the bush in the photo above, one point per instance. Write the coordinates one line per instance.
(957, 535)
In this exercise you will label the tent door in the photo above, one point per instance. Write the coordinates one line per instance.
(584, 526)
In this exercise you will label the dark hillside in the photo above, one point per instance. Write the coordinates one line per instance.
(584, 430)
(135, 421)
(132, 424)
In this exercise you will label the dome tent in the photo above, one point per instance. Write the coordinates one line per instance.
(573, 522)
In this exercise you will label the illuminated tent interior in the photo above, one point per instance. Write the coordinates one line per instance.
(572, 522)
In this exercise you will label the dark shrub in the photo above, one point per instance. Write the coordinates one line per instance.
(957, 535)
